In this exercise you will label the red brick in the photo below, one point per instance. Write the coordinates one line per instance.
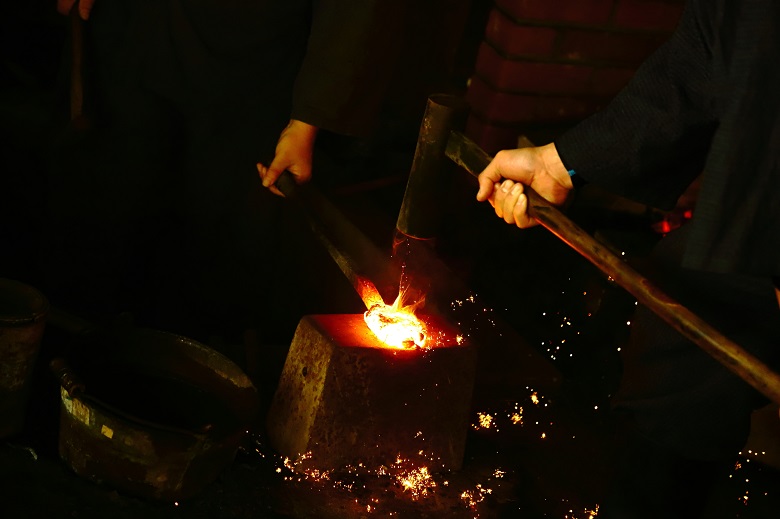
(521, 76)
(498, 107)
(491, 138)
(609, 81)
(590, 12)
(519, 40)
(647, 14)
(608, 47)
(557, 109)
(503, 109)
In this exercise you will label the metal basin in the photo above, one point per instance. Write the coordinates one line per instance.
(150, 413)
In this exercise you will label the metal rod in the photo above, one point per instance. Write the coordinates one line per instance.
(473, 159)
(367, 268)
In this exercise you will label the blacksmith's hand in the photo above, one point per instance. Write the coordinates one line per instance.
(502, 182)
(294, 152)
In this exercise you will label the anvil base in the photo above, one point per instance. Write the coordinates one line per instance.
(345, 399)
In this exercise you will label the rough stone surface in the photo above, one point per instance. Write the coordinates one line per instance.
(345, 399)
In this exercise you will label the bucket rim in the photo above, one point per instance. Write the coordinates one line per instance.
(33, 304)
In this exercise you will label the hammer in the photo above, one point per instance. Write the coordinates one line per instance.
(473, 159)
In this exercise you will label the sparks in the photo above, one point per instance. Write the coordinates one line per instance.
(396, 325)
(485, 421)
(417, 481)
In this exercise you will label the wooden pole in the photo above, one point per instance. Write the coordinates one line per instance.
(473, 159)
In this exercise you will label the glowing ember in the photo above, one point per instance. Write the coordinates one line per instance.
(485, 421)
(473, 497)
(418, 481)
(396, 325)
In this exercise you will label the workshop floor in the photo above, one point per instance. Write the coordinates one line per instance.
(554, 463)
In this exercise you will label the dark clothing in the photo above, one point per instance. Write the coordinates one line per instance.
(705, 101)
(680, 396)
(323, 62)
(161, 212)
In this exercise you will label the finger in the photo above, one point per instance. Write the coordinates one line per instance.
(267, 177)
(63, 6)
(270, 174)
(262, 172)
(503, 193)
(498, 200)
(500, 194)
(520, 213)
(510, 202)
(85, 7)
(492, 198)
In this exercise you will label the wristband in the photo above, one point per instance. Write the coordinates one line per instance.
(576, 180)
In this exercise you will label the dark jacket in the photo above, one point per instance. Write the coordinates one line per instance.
(706, 101)
(326, 62)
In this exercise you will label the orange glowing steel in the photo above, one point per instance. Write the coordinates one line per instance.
(368, 292)
(396, 325)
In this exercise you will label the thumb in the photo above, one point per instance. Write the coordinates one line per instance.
(272, 172)
(487, 181)
(485, 188)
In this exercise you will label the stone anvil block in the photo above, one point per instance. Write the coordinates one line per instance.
(344, 398)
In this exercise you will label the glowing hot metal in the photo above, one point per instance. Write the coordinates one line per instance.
(395, 325)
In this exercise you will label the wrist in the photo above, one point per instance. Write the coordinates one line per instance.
(554, 166)
(302, 130)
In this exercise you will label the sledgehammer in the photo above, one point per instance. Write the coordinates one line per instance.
(473, 159)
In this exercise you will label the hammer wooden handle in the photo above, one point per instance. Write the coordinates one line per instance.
(473, 159)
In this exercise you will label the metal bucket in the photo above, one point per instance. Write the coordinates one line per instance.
(150, 413)
(23, 311)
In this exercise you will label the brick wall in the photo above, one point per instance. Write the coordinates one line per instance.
(545, 64)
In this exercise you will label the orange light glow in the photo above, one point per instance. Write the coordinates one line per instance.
(368, 292)
(396, 325)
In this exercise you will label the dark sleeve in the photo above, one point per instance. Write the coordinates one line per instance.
(651, 141)
(349, 58)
